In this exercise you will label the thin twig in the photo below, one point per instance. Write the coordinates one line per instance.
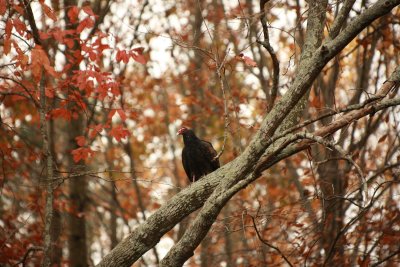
(226, 116)
(268, 244)
(29, 250)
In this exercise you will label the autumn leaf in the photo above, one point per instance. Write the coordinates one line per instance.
(61, 113)
(95, 129)
(8, 28)
(81, 153)
(88, 10)
(122, 56)
(49, 12)
(139, 58)
(3, 7)
(122, 114)
(119, 132)
(73, 13)
(137, 55)
(80, 140)
(111, 114)
(247, 60)
(7, 46)
(86, 23)
(383, 138)
(19, 26)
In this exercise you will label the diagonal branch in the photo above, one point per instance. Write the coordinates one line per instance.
(230, 178)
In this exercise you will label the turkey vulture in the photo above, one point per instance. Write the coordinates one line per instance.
(198, 156)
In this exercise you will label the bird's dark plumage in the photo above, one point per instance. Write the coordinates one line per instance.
(198, 156)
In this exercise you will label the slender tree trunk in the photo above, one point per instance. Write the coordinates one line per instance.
(228, 239)
(78, 255)
(48, 181)
(113, 218)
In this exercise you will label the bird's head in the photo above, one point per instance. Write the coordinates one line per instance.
(188, 135)
(182, 131)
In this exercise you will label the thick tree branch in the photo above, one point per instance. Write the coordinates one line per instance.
(232, 174)
(341, 18)
(224, 191)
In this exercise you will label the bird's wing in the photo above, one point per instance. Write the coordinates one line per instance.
(185, 163)
(211, 154)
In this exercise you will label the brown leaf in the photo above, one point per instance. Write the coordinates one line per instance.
(383, 138)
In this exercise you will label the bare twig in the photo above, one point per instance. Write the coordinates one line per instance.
(28, 251)
(268, 244)
(226, 116)
(266, 44)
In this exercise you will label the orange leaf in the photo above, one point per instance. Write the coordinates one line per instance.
(122, 114)
(80, 140)
(247, 60)
(8, 28)
(19, 26)
(81, 153)
(3, 7)
(119, 132)
(7, 46)
(111, 114)
(137, 55)
(49, 12)
(139, 58)
(73, 13)
(88, 10)
(86, 23)
(61, 113)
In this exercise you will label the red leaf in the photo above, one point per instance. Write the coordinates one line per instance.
(69, 42)
(39, 59)
(122, 56)
(61, 113)
(73, 13)
(44, 35)
(111, 114)
(137, 55)
(119, 132)
(49, 12)
(8, 28)
(248, 61)
(139, 50)
(139, 58)
(86, 23)
(3, 7)
(19, 9)
(80, 140)
(81, 153)
(50, 70)
(122, 114)
(88, 10)
(7, 46)
(92, 55)
(19, 26)
(96, 129)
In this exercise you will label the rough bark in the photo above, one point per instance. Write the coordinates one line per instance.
(49, 211)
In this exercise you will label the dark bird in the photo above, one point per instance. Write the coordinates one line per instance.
(198, 156)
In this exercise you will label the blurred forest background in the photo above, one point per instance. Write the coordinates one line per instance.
(92, 94)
